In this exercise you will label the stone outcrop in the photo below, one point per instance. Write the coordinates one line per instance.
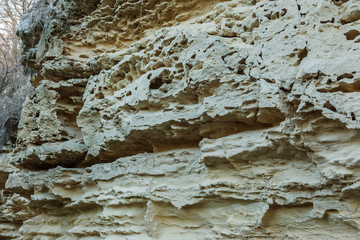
(187, 119)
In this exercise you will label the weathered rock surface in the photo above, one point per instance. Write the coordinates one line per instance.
(187, 120)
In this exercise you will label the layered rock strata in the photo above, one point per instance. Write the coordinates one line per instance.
(187, 120)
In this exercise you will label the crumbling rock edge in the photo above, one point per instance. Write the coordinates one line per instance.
(187, 119)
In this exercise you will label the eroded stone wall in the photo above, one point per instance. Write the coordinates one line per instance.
(199, 119)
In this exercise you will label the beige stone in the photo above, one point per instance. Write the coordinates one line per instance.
(187, 120)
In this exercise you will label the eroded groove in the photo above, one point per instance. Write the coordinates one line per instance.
(187, 119)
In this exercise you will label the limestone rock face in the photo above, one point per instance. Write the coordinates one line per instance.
(187, 119)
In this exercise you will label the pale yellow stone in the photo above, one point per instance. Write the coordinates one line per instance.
(178, 119)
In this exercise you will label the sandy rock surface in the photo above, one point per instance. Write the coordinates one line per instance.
(187, 119)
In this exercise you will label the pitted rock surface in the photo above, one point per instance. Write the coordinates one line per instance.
(221, 119)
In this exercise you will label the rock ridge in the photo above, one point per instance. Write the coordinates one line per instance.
(221, 119)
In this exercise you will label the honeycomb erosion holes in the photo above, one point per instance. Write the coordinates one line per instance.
(187, 119)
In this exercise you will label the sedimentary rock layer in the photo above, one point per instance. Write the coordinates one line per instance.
(187, 120)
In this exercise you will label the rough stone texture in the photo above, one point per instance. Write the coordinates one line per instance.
(187, 119)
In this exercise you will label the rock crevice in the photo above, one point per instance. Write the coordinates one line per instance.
(187, 119)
